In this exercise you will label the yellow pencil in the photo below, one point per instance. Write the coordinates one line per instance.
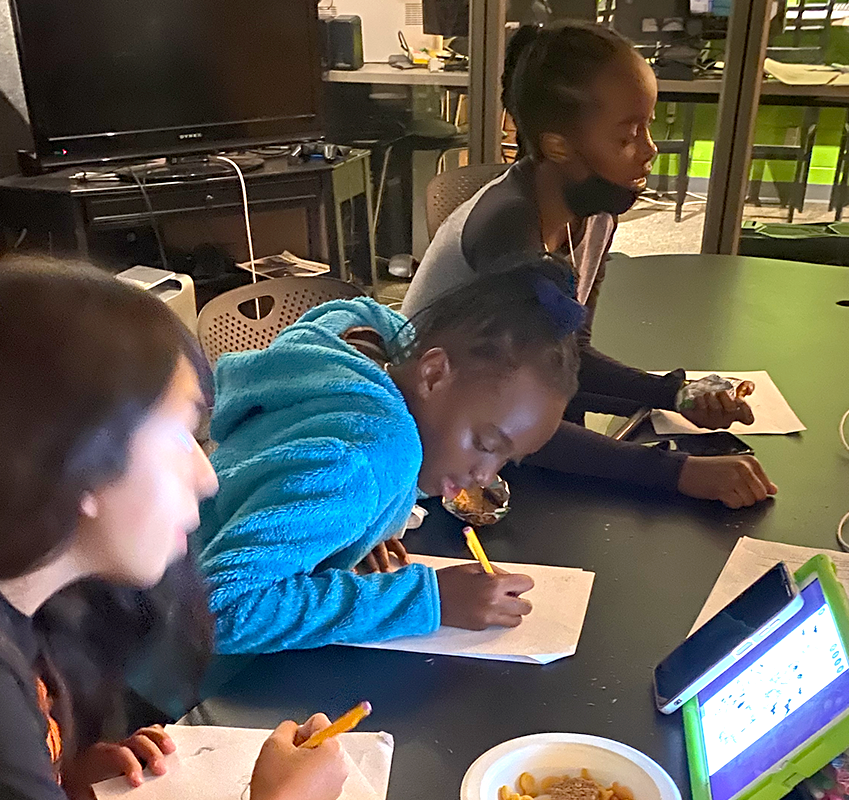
(346, 722)
(474, 545)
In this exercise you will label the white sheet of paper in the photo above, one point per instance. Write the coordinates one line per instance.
(752, 558)
(805, 74)
(215, 763)
(560, 597)
(772, 412)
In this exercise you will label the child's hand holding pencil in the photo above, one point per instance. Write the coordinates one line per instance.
(477, 596)
(285, 770)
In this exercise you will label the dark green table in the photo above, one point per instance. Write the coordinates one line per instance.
(656, 556)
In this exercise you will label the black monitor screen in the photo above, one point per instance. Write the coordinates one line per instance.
(143, 77)
(649, 21)
(445, 17)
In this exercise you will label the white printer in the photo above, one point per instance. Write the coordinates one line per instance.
(173, 288)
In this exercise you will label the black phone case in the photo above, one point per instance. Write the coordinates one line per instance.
(717, 443)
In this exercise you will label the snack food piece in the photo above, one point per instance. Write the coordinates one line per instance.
(479, 500)
(744, 389)
(556, 787)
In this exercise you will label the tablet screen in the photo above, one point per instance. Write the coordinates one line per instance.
(779, 695)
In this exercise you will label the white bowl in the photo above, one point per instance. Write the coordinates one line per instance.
(544, 754)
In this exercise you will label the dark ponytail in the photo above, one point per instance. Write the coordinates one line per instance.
(520, 40)
(524, 316)
(549, 71)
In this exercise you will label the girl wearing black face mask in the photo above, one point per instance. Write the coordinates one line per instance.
(583, 100)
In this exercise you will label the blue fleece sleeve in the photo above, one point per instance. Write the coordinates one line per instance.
(263, 615)
(278, 542)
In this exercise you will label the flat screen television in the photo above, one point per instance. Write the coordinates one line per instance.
(451, 17)
(135, 79)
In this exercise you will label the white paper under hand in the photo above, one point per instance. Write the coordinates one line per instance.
(560, 597)
(772, 412)
(216, 763)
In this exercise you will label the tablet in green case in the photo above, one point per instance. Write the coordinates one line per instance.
(782, 711)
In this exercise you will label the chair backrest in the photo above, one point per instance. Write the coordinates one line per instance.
(228, 323)
(807, 20)
(450, 189)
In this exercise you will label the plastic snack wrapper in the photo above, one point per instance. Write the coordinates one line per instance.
(736, 388)
(481, 506)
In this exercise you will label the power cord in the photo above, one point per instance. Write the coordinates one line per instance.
(153, 221)
(248, 233)
(244, 188)
(841, 430)
(840, 540)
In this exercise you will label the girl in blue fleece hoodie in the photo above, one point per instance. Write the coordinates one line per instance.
(326, 437)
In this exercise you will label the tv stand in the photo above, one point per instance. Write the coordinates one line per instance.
(330, 202)
(187, 168)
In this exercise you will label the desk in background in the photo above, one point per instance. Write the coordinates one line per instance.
(703, 90)
(68, 215)
(385, 74)
(656, 557)
(706, 90)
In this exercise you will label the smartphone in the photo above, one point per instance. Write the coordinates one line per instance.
(748, 619)
(717, 443)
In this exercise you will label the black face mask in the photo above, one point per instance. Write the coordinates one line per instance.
(597, 194)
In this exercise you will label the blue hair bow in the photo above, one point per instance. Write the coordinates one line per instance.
(567, 315)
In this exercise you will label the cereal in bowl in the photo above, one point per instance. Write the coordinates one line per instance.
(563, 787)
